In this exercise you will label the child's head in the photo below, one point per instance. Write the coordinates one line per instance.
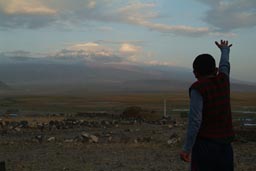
(204, 65)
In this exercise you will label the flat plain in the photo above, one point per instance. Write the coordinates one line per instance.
(87, 132)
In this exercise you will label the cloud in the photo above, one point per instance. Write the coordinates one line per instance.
(88, 52)
(19, 56)
(91, 4)
(26, 14)
(36, 14)
(127, 48)
(130, 51)
(91, 52)
(227, 15)
(26, 7)
(92, 48)
(142, 13)
(18, 53)
(178, 29)
(159, 63)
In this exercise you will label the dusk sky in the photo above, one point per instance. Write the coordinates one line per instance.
(132, 32)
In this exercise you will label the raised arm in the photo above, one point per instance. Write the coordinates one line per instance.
(224, 65)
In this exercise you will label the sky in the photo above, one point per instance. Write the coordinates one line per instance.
(130, 32)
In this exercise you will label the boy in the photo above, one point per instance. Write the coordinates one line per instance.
(210, 131)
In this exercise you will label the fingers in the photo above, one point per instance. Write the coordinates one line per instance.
(222, 43)
(217, 43)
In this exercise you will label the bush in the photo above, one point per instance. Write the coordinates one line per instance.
(136, 112)
(132, 112)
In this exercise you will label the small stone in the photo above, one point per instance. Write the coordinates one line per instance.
(94, 139)
(17, 129)
(51, 139)
(39, 138)
(172, 141)
(85, 135)
(170, 126)
(68, 140)
(109, 139)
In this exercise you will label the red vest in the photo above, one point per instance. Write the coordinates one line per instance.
(216, 115)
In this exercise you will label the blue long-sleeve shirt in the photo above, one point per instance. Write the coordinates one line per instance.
(196, 104)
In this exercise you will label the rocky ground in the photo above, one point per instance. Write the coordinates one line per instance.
(104, 143)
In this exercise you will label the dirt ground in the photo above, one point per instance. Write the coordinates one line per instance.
(105, 144)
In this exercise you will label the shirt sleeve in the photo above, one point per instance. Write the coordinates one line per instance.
(194, 120)
(224, 65)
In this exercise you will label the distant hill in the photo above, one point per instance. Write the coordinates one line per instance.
(4, 86)
(52, 76)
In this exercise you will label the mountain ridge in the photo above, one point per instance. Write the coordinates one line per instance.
(68, 77)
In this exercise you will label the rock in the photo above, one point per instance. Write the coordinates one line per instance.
(68, 140)
(51, 139)
(94, 139)
(172, 141)
(174, 135)
(110, 139)
(170, 126)
(17, 129)
(85, 137)
(104, 122)
(39, 138)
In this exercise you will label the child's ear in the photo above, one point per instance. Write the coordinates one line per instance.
(216, 70)
(196, 74)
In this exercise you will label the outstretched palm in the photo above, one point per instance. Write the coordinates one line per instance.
(223, 43)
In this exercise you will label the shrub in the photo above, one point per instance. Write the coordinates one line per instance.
(132, 112)
(136, 112)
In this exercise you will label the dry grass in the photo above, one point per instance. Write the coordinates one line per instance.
(112, 102)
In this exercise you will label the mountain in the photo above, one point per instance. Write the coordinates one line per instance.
(4, 87)
(55, 76)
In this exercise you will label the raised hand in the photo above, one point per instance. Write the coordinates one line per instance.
(222, 44)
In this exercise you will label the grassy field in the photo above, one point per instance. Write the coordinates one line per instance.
(112, 102)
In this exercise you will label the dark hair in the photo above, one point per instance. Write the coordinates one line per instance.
(204, 64)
